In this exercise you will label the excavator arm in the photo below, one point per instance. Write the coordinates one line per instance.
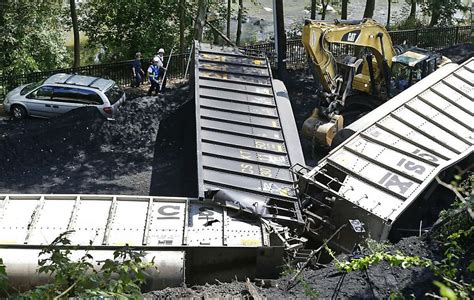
(365, 36)
(367, 69)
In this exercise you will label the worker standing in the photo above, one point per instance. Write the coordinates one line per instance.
(159, 56)
(137, 70)
(153, 75)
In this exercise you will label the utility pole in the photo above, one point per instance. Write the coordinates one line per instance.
(280, 38)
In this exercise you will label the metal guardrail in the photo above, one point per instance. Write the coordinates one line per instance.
(432, 38)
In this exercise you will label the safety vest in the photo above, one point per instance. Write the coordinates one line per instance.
(153, 72)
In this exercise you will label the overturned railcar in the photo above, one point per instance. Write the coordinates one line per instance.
(246, 135)
(190, 240)
(380, 181)
(246, 143)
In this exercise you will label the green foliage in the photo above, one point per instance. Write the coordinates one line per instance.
(125, 27)
(289, 270)
(445, 291)
(363, 263)
(456, 236)
(407, 24)
(31, 36)
(3, 280)
(119, 278)
(442, 11)
(309, 291)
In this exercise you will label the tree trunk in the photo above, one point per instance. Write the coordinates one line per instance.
(182, 25)
(228, 17)
(389, 11)
(435, 14)
(369, 8)
(280, 38)
(412, 9)
(313, 9)
(200, 19)
(325, 6)
(344, 9)
(239, 22)
(75, 29)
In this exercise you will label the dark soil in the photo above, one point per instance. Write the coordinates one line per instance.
(379, 282)
(459, 53)
(81, 152)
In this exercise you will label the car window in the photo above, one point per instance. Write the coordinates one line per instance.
(76, 95)
(43, 93)
(28, 88)
(114, 94)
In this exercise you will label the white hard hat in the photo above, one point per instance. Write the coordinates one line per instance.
(161, 50)
(156, 59)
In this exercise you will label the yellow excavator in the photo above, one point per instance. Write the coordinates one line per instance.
(356, 65)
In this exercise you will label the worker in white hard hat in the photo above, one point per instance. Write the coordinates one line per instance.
(159, 56)
(153, 75)
(161, 66)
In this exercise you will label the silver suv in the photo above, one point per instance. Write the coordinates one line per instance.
(61, 93)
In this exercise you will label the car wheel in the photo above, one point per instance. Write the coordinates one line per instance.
(18, 112)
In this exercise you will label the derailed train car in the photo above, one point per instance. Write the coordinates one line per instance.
(381, 180)
(190, 240)
(248, 152)
(246, 144)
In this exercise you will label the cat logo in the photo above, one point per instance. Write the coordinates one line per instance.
(351, 36)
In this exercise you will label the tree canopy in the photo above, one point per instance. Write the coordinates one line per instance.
(31, 37)
(124, 27)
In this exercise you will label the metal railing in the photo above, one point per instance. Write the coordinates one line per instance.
(431, 38)
(120, 72)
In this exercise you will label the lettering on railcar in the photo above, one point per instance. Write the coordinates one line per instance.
(206, 213)
(271, 158)
(265, 172)
(168, 212)
(425, 155)
(246, 168)
(246, 154)
(392, 180)
(411, 166)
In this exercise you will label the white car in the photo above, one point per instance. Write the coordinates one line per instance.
(61, 93)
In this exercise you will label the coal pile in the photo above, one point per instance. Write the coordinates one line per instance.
(459, 53)
(379, 282)
(82, 152)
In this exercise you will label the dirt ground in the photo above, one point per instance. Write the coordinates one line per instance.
(81, 152)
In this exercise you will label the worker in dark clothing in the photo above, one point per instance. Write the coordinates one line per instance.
(153, 75)
(137, 70)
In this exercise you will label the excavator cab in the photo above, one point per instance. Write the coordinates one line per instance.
(410, 67)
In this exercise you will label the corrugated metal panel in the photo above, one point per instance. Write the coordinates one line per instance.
(119, 220)
(241, 142)
(181, 236)
(405, 143)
